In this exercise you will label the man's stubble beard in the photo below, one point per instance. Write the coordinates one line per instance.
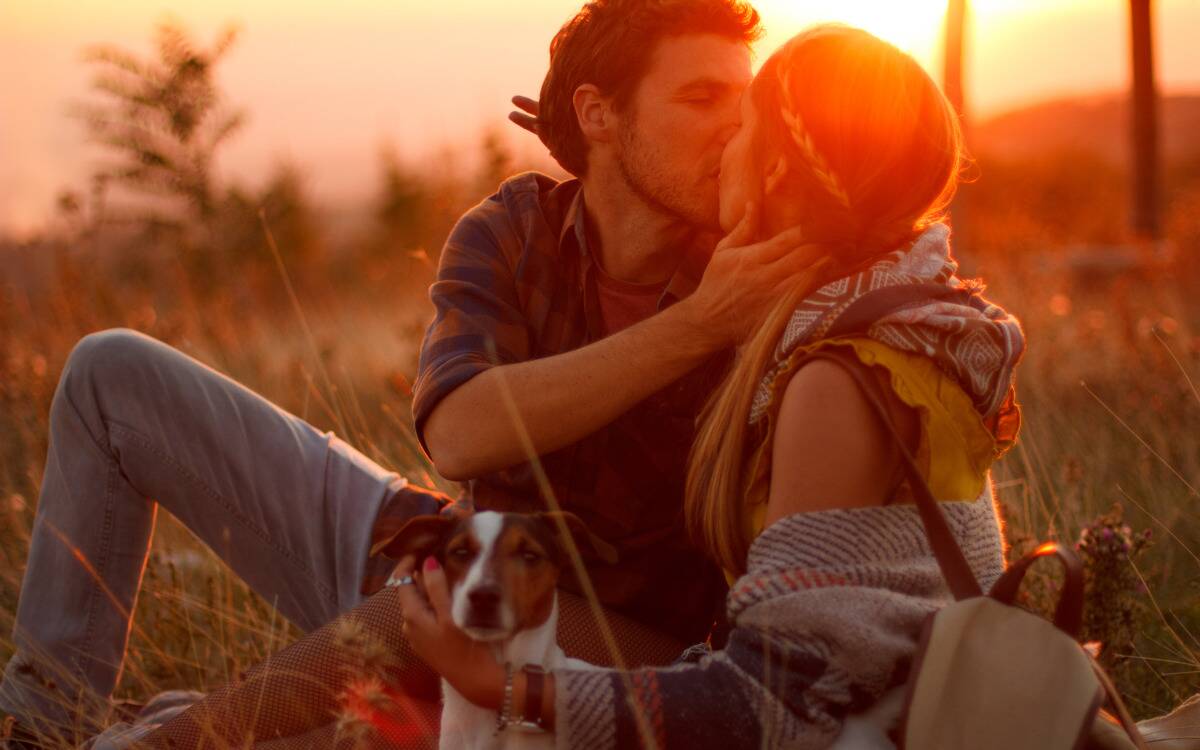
(637, 164)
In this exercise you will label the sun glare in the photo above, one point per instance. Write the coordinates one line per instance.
(913, 26)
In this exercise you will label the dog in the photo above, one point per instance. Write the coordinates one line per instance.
(502, 570)
(869, 729)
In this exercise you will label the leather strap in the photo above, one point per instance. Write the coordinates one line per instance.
(1068, 615)
(1119, 708)
(535, 685)
(950, 558)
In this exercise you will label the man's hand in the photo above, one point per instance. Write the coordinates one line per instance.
(744, 279)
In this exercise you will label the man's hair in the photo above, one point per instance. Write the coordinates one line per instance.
(609, 44)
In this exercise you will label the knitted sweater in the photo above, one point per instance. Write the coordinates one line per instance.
(825, 620)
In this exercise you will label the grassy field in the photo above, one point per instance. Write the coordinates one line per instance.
(1108, 388)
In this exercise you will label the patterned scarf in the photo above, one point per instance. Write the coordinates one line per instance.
(919, 306)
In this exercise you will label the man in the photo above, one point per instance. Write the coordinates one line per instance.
(566, 311)
(572, 322)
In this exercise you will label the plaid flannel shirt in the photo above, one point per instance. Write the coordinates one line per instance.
(515, 282)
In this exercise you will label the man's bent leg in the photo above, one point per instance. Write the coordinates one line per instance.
(135, 421)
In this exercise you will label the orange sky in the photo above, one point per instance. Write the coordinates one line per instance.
(326, 83)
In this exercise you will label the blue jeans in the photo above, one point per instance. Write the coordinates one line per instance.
(134, 424)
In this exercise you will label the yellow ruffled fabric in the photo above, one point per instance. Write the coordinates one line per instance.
(956, 447)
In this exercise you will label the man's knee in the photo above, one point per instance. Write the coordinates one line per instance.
(109, 355)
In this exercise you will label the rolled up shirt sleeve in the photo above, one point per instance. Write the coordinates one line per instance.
(478, 321)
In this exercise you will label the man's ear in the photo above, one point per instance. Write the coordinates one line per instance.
(775, 177)
(590, 546)
(421, 536)
(593, 110)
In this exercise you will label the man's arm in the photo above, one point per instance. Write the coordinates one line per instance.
(561, 399)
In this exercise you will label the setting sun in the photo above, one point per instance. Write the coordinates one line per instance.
(912, 26)
(915, 27)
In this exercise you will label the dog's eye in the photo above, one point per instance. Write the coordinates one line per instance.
(462, 553)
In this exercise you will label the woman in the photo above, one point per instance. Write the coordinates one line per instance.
(794, 486)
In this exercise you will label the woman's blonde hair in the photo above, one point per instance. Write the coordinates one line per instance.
(874, 151)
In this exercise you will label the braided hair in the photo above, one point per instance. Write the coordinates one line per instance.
(875, 147)
(810, 157)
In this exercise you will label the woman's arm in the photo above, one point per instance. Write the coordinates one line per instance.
(830, 450)
(466, 664)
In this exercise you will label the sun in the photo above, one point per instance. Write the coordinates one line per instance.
(914, 26)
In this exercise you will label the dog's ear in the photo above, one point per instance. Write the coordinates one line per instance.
(420, 536)
(591, 547)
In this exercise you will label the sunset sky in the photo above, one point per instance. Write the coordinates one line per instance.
(325, 84)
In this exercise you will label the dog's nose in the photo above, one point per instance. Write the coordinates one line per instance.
(485, 600)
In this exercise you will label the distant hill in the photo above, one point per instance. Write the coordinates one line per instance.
(1099, 124)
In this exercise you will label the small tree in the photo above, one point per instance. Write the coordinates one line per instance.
(402, 208)
(497, 161)
(284, 203)
(162, 121)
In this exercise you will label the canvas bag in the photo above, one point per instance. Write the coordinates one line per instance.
(989, 675)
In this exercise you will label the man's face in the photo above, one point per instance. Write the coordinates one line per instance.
(678, 121)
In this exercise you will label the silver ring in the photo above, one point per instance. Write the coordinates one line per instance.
(405, 581)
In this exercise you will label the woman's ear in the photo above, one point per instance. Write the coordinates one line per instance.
(594, 112)
(775, 177)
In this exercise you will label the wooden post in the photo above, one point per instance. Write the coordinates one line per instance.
(952, 84)
(1145, 164)
(952, 71)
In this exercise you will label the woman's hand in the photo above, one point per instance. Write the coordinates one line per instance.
(467, 665)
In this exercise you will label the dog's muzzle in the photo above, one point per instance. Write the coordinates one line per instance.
(484, 608)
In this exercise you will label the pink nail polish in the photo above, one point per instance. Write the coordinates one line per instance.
(431, 563)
